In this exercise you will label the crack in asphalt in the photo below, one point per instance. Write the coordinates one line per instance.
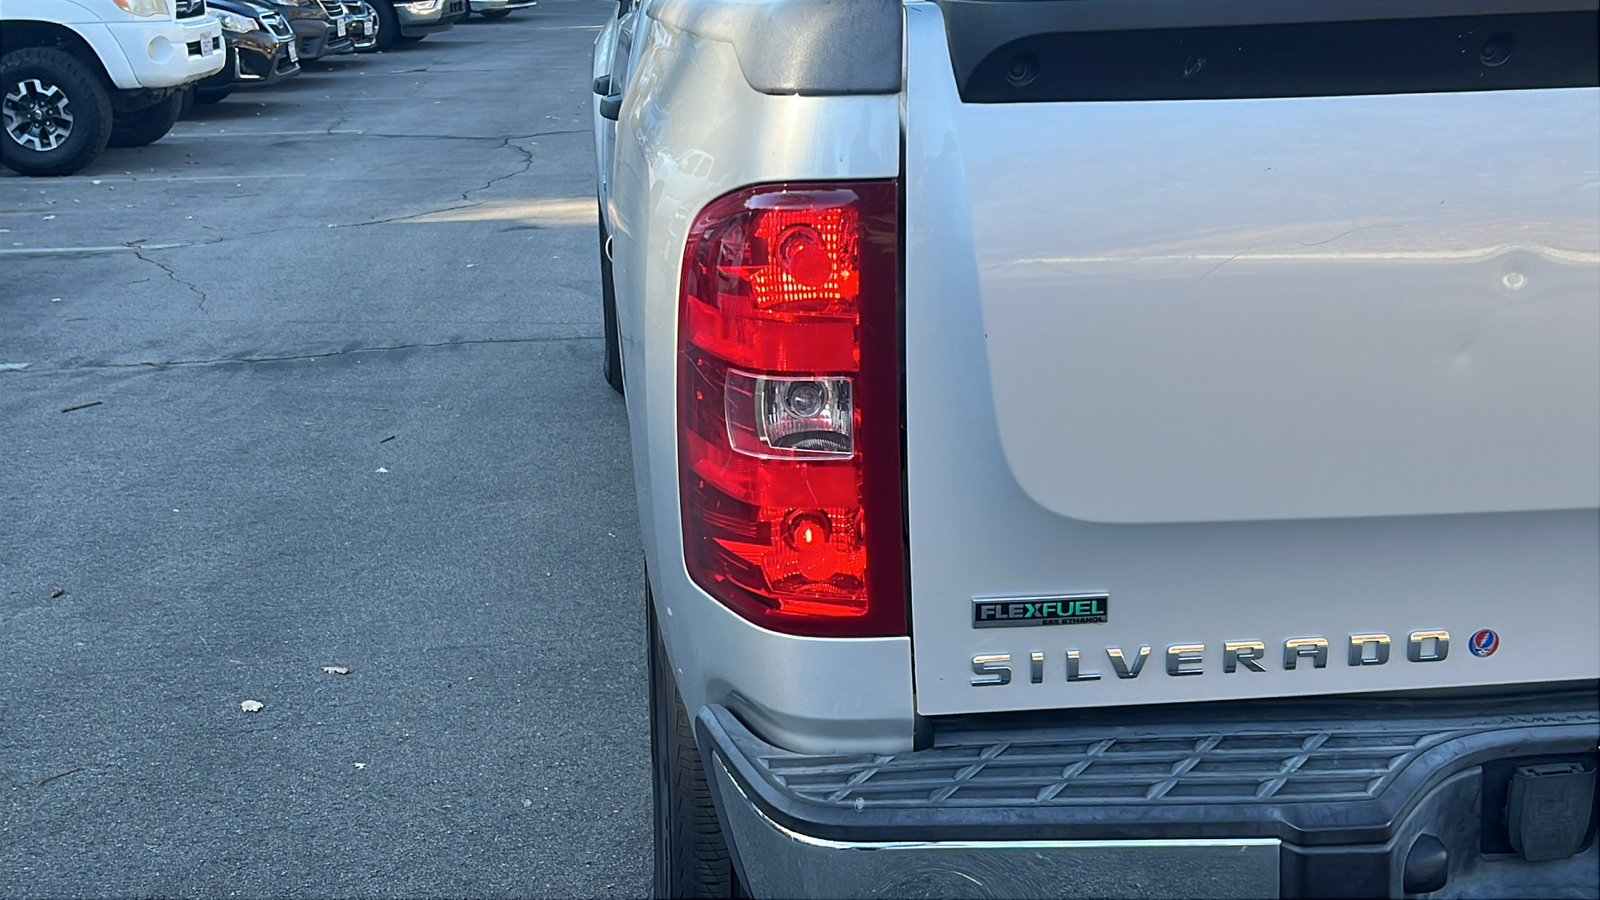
(235, 360)
(173, 274)
(527, 163)
(466, 196)
(506, 143)
(409, 216)
(465, 137)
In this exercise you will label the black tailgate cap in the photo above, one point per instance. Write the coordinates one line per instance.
(807, 47)
(1010, 51)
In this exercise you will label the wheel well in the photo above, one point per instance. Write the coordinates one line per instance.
(22, 34)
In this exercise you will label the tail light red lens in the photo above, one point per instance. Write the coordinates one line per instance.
(789, 408)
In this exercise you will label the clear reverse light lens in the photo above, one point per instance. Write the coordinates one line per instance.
(781, 417)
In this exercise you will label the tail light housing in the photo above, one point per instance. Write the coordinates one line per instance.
(789, 407)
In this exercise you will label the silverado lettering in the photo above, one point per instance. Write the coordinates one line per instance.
(1187, 659)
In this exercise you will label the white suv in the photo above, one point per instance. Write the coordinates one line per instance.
(79, 75)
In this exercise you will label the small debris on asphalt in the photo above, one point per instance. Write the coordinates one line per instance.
(361, 765)
(67, 409)
(382, 469)
(56, 592)
(387, 439)
(336, 670)
(252, 706)
(49, 778)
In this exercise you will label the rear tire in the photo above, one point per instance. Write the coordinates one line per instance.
(148, 125)
(55, 113)
(495, 13)
(608, 313)
(691, 857)
(188, 102)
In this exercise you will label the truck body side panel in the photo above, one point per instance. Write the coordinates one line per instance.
(690, 130)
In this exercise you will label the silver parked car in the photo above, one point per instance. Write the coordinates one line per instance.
(499, 9)
(412, 20)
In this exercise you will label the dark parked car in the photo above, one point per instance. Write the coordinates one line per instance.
(363, 24)
(261, 49)
(320, 27)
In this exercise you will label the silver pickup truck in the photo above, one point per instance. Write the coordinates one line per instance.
(1108, 448)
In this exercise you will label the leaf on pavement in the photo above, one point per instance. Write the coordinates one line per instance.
(252, 706)
(336, 670)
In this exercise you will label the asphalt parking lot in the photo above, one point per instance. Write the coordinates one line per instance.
(314, 381)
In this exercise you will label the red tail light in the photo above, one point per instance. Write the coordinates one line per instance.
(789, 408)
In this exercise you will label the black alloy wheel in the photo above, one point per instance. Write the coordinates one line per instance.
(54, 111)
(691, 857)
(148, 125)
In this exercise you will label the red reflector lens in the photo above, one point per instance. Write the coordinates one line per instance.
(789, 321)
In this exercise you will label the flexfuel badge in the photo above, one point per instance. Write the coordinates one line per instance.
(1067, 609)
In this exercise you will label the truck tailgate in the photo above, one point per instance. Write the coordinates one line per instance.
(1244, 371)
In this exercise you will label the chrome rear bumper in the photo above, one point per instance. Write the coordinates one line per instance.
(1364, 797)
(778, 862)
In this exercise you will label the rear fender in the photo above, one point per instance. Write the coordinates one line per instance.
(691, 129)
